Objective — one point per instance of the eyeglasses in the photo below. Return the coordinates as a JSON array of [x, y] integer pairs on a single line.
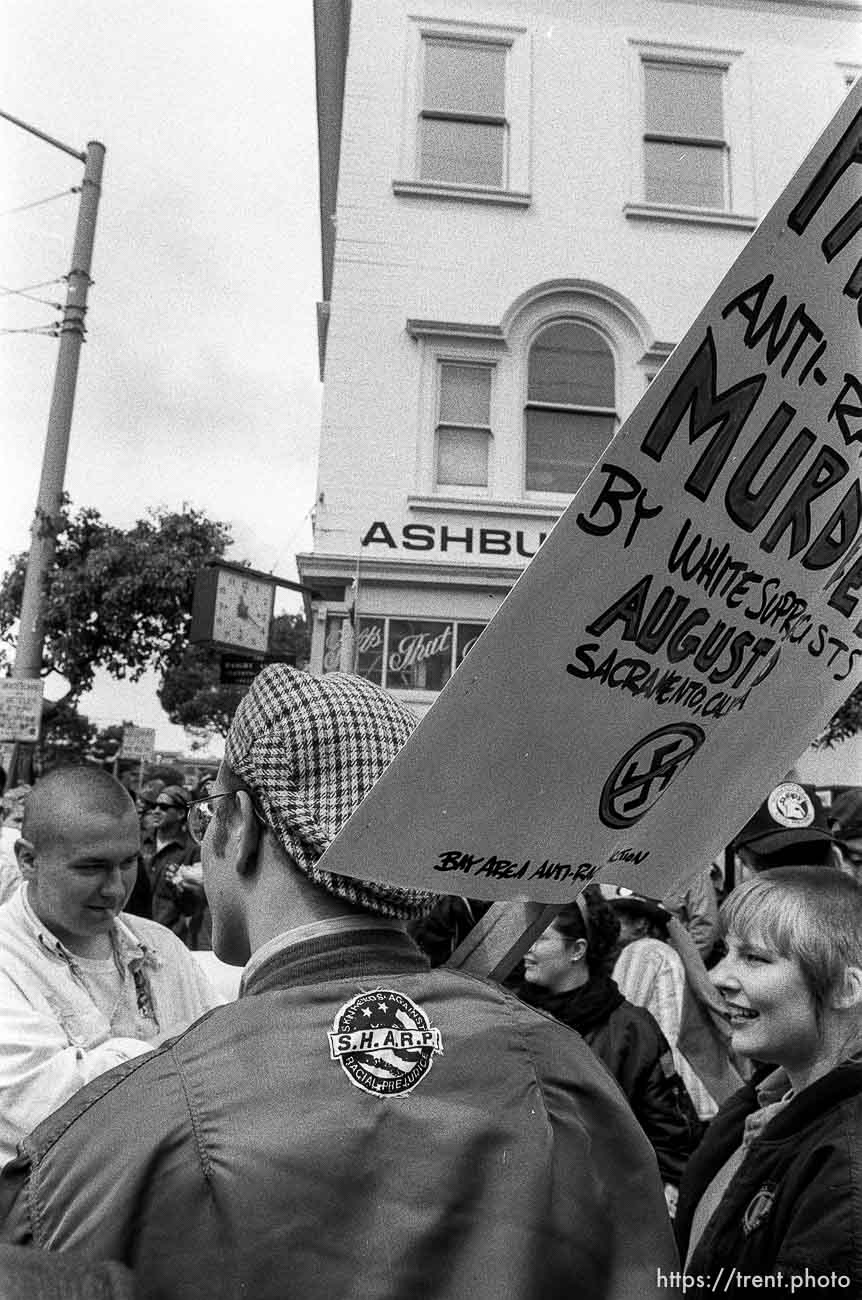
[[201, 813]]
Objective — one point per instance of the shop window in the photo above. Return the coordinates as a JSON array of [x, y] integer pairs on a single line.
[[404, 654], [464, 426], [571, 407], [686, 153], [463, 131], [468, 635]]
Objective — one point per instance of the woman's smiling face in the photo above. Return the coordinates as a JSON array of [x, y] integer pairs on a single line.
[[772, 1011]]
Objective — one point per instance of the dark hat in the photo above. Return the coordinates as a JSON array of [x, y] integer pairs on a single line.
[[626, 900], [790, 814], [175, 795], [310, 748]]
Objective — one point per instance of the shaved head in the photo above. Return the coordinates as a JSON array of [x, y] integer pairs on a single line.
[[65, 794]]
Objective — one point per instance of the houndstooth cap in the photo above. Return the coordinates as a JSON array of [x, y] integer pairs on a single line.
[[310, 749]]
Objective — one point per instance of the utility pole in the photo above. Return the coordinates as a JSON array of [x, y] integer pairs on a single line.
[[28, 654]]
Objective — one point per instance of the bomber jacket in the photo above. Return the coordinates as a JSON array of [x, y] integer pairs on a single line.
[[795, 1201], [356, 1125], [628, 1040]]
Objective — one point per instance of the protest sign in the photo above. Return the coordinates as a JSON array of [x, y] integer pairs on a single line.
[[20, 708], [138, 742], [693, 619]]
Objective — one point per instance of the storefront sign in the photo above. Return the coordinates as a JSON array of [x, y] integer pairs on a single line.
[[20, 708], [694, 618], [454, 540]]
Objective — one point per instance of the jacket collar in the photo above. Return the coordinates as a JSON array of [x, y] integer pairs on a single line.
[[356, 953]]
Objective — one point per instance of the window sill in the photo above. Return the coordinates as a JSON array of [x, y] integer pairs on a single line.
[[697, 216], [465, 193], [479, 506]]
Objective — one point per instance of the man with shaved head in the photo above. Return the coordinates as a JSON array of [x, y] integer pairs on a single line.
[[83, 987]]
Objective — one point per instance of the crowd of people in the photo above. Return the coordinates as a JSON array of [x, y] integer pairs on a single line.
[[664, 1093]]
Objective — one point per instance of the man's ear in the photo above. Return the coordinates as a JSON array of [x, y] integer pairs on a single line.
[[26, 858], [247, 832], [849, 995]]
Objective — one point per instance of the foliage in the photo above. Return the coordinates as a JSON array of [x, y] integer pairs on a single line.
[[192, 695], [845, 723], [116, 599]]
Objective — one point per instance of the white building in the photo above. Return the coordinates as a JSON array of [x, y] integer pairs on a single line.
[[524, 204]]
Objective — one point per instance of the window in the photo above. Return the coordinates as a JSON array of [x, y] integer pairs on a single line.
[[463, 133], [464, 426], [412, 654], [686, 155], [466, 112], [571, 409]]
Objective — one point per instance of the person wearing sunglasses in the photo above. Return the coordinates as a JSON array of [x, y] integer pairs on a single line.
[[357, 1125]]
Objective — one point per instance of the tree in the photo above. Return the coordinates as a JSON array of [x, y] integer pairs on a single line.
[[116, 599], [192, 695], [844, 724]]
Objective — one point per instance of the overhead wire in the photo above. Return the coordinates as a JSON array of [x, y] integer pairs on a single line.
[[37, 203], [22, 293]]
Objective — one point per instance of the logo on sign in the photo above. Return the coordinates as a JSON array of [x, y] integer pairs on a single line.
[[645, 771], [384, 1042]]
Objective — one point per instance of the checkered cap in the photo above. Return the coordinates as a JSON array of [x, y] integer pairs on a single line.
[[310, 748]]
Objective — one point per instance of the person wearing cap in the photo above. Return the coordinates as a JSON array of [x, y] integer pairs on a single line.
[[83, 986], [358, 1124], [651, 974], [789, 829]]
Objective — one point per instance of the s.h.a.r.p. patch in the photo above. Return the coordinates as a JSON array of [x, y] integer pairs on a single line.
[[383, 1042]]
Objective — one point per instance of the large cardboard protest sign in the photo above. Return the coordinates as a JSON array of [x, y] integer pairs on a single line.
[[693, 619]]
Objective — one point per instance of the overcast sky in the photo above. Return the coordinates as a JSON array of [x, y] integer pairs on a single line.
[[198, 382]]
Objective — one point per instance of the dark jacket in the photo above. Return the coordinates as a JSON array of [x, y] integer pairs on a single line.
[[795, 1201], [184, 911], [628, 1040], [262, 1154]]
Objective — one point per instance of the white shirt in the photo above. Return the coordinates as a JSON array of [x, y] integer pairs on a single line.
[[54, 1035]]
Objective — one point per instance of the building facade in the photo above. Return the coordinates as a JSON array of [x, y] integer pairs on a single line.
[[524, 204]]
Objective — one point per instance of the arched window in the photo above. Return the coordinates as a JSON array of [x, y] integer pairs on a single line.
[[571, 406]]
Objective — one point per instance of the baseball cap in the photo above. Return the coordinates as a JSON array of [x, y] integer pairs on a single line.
[[790, 814], [619, 896]]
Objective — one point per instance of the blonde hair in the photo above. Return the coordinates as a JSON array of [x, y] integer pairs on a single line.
[[810, 914]]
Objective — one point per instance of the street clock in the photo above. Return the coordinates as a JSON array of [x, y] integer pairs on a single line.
[[233, 608]]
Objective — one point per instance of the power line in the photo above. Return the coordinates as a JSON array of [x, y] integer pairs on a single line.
[[25, 207], [22, 293], [47, 331]]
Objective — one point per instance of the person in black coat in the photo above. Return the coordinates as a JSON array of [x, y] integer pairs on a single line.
[[773, 1189], [566, 974]]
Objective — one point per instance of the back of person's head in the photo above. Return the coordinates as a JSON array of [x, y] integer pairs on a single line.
[[646, 917], [308, 749], [790, 828], [67, 791], [592, 918], [804, 913]]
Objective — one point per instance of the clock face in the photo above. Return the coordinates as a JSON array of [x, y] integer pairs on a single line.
[[243, 608]]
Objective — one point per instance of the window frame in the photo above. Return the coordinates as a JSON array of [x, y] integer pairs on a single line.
[[463, 489], [738, 169], [515, 187], [456, 624], [558, 318]]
